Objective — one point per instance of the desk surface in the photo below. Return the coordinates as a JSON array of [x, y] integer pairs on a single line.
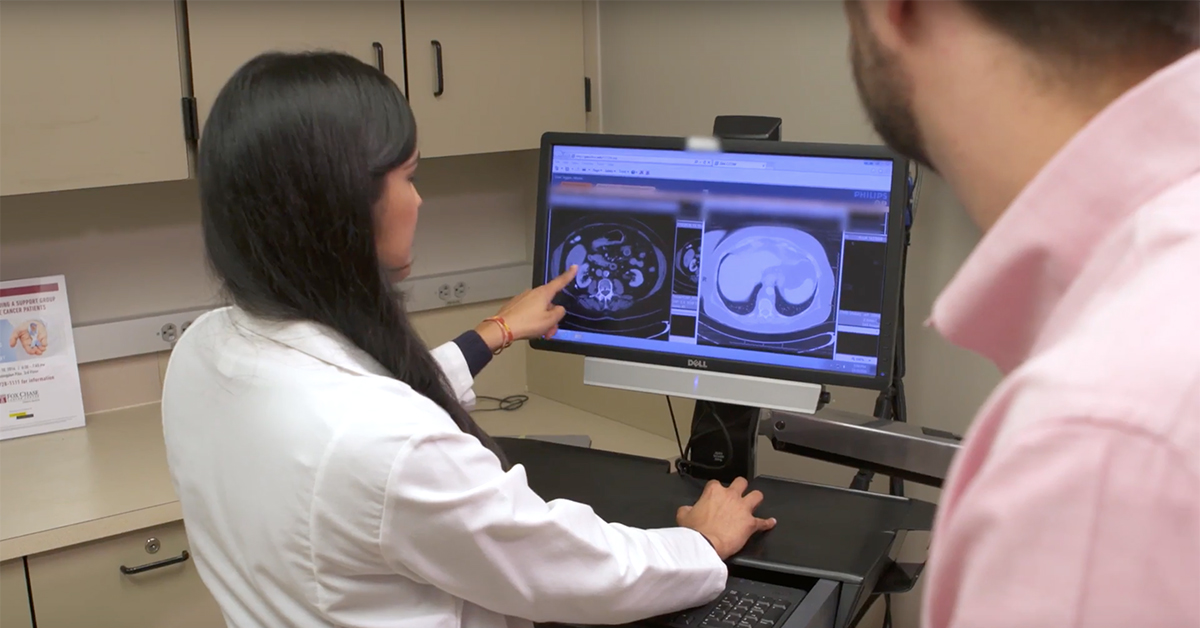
[[823, 531], [70, 487]]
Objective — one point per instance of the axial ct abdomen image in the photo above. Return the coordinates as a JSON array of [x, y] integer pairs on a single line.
[[623, 283], [687, 261], [770, 284]]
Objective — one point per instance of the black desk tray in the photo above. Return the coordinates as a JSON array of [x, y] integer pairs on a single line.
[[823, 532]]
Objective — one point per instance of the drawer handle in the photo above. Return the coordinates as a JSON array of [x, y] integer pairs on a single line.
[[441, 78], [378, 55], [182, 557]]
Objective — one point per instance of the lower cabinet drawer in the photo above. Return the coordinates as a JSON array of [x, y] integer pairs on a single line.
[[14, 598], [100, 585]]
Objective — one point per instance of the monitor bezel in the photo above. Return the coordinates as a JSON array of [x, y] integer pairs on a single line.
[[892, 273]]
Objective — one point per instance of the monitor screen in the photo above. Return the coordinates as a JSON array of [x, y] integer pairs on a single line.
[[764, 263]]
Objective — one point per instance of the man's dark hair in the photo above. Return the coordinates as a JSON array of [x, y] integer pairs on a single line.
[[1079, 35]]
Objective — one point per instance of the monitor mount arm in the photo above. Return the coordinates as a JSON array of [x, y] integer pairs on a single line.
[[902, 450]]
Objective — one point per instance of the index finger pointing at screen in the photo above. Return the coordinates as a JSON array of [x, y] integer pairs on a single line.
[[561, 281]]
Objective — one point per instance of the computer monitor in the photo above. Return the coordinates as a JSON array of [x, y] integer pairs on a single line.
[[732, 275]]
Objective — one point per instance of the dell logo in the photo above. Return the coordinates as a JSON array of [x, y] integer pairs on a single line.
[[697, 364]]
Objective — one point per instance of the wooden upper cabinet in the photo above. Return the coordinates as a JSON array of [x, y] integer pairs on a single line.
[[89, 95], [509, 71], [226, 34]]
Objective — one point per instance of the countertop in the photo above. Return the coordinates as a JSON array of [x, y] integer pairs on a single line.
[[75, 486]]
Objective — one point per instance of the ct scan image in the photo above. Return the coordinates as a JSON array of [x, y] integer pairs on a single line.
[[769, 282], [623, 285], [687, 261]]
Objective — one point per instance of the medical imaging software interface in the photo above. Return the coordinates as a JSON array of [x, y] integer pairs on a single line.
[[766, 259]]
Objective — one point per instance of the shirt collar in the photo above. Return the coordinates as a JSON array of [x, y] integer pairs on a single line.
[[1136, 148], [316, 341]]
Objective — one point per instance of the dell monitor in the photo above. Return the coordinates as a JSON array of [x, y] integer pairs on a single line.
[[752, 274]]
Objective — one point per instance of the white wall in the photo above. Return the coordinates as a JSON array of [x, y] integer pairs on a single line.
[[125, 251], [136, 250], [131, 251]]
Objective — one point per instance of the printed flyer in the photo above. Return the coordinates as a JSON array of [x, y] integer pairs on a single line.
[[39, 377]]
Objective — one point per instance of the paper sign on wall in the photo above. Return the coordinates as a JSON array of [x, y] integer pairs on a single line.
[[39, 377]]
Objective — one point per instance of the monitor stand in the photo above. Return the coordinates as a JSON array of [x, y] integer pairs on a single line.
[[712, 455], [736, 401]]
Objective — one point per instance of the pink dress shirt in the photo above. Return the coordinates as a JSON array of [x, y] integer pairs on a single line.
[[1076, 499]]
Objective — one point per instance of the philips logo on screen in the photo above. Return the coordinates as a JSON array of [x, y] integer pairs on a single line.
[[697, 364]]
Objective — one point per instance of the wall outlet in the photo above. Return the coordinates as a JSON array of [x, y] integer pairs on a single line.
[[154, 333], [434, 292], [171, 332]]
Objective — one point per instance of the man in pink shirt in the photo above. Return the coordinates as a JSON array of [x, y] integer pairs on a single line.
[[1070, 131]]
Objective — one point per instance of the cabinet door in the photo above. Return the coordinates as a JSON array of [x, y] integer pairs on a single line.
[[91, 95], [224, 35], [14, 596], [84, 585], [509, 71]]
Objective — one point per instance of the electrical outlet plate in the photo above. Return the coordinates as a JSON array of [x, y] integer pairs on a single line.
[[118, 339], [159, 332], [472, 286]]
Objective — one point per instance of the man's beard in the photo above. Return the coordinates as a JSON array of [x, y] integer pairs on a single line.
[[885, 93]]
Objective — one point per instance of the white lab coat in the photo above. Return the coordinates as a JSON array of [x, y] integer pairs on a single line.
[[319, 492]]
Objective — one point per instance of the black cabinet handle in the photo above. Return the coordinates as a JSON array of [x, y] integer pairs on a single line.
[[440, 87], [378, 54], [182, 557]]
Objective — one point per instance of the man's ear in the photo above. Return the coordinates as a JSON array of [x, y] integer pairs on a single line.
[[893, 22]]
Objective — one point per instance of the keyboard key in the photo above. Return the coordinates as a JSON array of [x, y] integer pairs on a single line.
[[735, 609]]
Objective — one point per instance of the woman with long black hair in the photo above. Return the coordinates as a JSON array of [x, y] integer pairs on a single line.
[[328, 469]]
